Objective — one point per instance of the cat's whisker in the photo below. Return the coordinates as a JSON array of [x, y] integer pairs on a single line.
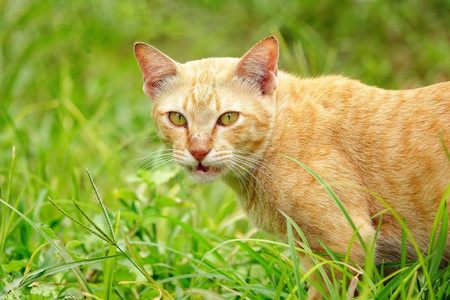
[[240, 178], [154, 164], [167, 163], [249, 162], [150, 161], [153, 155], [257, 182], [171, 164], [253, 158], [262, 169], [160, 150], [157, 156], [150, 155], [249, 158], [257, 160], [147, 139]]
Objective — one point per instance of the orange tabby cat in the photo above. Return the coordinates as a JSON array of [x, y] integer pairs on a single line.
[[236, 118]]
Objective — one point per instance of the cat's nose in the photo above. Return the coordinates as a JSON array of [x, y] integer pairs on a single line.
[[199, 153]]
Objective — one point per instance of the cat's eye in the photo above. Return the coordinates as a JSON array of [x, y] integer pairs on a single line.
[[228, 118], [177, 119]]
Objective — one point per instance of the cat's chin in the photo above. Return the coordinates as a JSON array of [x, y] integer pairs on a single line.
[[204, 174], [204, 178]]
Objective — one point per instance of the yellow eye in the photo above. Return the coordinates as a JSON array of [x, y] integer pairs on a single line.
[[177, 118], [228, 118]]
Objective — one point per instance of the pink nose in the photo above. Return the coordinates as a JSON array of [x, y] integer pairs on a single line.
[[200, 153]]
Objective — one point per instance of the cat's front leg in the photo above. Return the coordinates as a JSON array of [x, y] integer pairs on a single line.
[[323, 222], [313, 293]]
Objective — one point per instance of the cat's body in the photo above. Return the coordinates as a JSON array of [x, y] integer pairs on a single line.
[[240, 118], [348, 133]]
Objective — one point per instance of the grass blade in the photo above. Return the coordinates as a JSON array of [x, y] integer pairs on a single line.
[[318, 267], [99, 234], [3, 212], [444, 145], [294, 258], [59, 248], [109, 269], [256, 256], [99, 230], [198, 236], [334, 197], [438, 249], [141, 268], [30, 261], [33, 276], [102, 205]]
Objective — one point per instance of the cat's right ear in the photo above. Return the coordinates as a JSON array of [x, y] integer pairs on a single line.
[[156, 67]]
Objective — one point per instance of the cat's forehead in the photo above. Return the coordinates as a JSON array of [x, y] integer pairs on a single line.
[[202, 88], [209, 70]]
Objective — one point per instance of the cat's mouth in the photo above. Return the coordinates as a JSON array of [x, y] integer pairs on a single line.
[[204, 173], [206, 169], [202, 168]]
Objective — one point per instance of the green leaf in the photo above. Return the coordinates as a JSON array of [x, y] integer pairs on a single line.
[[48, 231], [158, 177], [125, 195], [70, 245], [169, 201], [14, 265], [122, 273], [3, 272], [44, 290]]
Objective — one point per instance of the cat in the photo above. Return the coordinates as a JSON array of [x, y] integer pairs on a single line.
[[240, 118]]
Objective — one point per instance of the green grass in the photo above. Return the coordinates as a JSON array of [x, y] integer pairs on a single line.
[[71, 98]]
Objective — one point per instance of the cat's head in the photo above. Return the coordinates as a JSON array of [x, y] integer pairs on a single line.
[[216, 114]]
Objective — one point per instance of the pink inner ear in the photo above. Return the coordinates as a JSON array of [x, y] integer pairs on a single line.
[[155, 67], [154, 76], [259, 65]]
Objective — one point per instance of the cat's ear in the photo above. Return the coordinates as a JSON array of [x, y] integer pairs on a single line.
[[156, 67], [259, 65]]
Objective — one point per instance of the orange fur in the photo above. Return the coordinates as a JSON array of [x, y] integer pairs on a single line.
[[349, 133]]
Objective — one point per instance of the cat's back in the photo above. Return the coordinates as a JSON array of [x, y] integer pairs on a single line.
[[349, 109], [390, 141], [346, 95]]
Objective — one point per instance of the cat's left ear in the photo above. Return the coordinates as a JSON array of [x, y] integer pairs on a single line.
[[156, 67], [259, 65]]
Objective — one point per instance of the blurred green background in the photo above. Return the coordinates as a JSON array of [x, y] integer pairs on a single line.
[[71, 92], [71, 89]]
